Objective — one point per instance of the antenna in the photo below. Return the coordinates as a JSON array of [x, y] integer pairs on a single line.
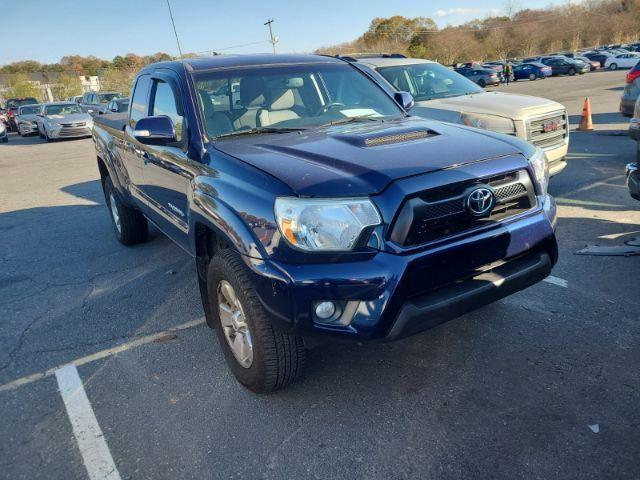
[[273, 40], [174, 28]]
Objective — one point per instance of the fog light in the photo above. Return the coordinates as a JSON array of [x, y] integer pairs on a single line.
[[325, 310]]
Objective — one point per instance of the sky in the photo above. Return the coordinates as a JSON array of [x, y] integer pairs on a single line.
[[46, 30]]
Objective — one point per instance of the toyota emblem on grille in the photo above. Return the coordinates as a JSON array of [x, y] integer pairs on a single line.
[[480, 201]]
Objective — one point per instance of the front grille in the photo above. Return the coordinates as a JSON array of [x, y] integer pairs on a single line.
[[438, 213], [548, 130], [79, 124], [74, 132]]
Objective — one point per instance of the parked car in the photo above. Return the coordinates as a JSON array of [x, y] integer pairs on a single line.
[[633, 73], [4, 138], [118, 105], [75, 98], [442, 94], [624, 60], [598, 57], [630, 94], [565, 66], [95, 103], [3, 117], [12, 106], [593, 64], [633, 176], [26, 119], [484, 77], [313, 207], [531, 71], [63, 120]]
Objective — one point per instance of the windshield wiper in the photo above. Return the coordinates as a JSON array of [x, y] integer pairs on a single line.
[[352, 119], [259, 130]]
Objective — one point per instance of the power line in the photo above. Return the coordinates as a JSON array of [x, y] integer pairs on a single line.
[[174, 28]]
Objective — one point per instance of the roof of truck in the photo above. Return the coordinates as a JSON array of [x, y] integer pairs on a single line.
[[230, 61]]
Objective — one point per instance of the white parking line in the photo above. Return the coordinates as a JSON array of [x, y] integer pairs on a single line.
[[560, 282], [93, 447], [98, 355]]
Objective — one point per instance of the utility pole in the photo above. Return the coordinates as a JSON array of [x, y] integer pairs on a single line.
[[273, 39], [174, 28]]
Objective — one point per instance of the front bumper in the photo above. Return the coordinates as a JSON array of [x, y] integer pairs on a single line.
[[27, 128], [633, 180], [391, 296], [70, 132]]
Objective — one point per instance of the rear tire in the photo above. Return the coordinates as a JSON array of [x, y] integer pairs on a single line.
[[482, 83], [276, 359], [532, 76], [129, 224]]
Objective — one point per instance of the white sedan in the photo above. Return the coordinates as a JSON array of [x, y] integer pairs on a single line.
[[624, 60]]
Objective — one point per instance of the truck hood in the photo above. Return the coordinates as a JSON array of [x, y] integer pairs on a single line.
[[363, 158], [514, 106]]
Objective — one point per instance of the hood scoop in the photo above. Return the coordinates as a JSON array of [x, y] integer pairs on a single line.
[[388, 138]]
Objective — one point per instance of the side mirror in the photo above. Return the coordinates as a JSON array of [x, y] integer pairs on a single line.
[[155, 130], [100, 112], [405, 99]]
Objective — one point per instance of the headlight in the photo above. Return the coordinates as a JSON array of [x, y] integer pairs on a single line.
[[489, 122], [325, 224], [541, 169]]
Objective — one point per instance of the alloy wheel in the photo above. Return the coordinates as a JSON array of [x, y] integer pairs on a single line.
[[234, 324], [114, 212]]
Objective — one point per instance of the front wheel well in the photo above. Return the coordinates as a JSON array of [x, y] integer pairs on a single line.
[[104, 173], [208, 243]]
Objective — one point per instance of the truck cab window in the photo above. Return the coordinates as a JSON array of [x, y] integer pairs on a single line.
[[165, 103], [139, 106]]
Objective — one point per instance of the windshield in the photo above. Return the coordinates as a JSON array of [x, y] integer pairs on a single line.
[[426, 81], [29, 110], [15, 103], [288, 97], [107, 97], [66, 109]]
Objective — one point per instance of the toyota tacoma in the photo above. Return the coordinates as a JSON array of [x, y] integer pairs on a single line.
[[316, 208]]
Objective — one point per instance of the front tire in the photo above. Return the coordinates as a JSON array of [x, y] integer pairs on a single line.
[[47, 137], [572, 72], [261, 358], [613, 66], [129, 224]]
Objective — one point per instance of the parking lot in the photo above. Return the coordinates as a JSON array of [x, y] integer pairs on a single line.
[[543, 384]]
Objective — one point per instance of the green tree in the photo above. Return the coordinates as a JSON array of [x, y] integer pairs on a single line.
[[19, 85], [66, 86]]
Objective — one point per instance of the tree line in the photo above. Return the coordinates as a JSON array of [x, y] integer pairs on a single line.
[[516, 34]]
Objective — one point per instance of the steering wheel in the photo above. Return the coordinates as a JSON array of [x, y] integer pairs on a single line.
[[329, 106]]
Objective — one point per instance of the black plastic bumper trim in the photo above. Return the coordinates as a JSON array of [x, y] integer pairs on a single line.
[[430, 310]]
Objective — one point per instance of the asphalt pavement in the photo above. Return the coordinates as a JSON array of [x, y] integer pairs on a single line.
[[544, 384]]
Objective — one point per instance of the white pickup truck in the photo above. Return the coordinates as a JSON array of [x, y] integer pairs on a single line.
[[445, 95]]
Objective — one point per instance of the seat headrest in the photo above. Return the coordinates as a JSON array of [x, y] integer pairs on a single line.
[[282, 100], [252, 92]]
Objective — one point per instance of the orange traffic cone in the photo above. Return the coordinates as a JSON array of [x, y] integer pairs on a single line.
[[586, 123]]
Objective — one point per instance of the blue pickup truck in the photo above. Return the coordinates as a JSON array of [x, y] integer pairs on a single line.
[[316, 208]]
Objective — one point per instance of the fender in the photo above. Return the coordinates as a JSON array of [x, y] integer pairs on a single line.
[[220, 218], [104, 143]]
